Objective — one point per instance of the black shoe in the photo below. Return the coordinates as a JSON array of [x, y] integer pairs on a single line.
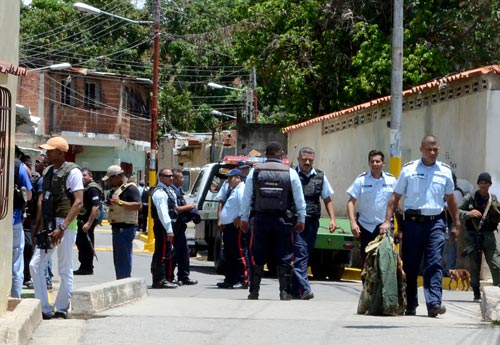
[[46, 316], [253, 295], [224, 285], [49, 286], [188, 281], [80, 272], [285, 296], [411, 312], [29, 284], [164, 285], [307, 295], [60, 315], [477, 299], [435, 310]]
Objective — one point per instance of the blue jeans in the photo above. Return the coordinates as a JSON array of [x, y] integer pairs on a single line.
[[303, 247], [17, 260], [423, 239], [122, 249]]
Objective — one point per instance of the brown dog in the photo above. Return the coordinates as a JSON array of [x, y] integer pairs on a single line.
[[462, 275]]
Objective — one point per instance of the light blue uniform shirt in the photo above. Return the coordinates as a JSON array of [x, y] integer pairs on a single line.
[[425, 186], [327, 190], [371, 196], [231, 209], [160, 200], [298, 195]]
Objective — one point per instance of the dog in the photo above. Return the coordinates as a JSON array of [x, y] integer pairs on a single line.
[[462, 275]]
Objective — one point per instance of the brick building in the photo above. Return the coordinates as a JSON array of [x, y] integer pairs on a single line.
[[105, 117]]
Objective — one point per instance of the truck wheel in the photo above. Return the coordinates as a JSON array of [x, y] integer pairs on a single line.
[[218, 254]]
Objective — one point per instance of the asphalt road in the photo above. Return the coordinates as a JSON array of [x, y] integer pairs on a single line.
[[204, 314]]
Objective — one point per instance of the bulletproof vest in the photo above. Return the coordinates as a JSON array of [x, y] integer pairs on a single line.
[[93, 184], [154, 210], [60, 198], [272, 187], [117, 213], [478, 203], [19, 202], [312, 187], [145, 195]]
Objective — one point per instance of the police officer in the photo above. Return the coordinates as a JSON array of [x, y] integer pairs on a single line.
[[315, 185], [426, 183], [235, 246], [184, 213], [274, 190], [62, 200], [124, 204], [480, 227], [372, 189], [87, 221], [164, 234]]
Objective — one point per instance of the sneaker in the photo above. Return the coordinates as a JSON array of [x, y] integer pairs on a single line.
[[60, 315], [307, 295], [187, 281], [435, 310]]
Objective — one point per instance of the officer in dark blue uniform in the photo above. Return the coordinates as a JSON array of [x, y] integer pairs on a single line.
[[426, 183], [273, 190]]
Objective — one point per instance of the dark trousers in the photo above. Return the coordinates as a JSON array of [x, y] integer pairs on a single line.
[[271, 228], [181, 258], [144, 219], [235, 255], [303, 247], [85, 245], [425, 240], [366, 237], [162, 251], [27, 253], [122, 249]]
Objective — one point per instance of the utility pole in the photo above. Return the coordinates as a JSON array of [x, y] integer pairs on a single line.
[[396, 89], [255, 100]]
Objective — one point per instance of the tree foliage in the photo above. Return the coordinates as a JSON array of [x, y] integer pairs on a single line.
[[311, 56]]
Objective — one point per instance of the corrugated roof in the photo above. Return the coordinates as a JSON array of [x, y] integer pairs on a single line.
[[495, 69]]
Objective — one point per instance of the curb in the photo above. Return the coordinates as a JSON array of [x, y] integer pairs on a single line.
[[19, 324], [90, 300]]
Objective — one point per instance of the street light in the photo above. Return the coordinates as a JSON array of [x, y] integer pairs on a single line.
[[251, 98], [154, 102], [218, 113], [56, 67]]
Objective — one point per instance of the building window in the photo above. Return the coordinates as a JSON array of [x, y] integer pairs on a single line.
[[92, 92], [67, 91]]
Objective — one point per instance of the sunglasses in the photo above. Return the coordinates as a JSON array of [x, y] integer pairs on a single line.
[[166, 175]]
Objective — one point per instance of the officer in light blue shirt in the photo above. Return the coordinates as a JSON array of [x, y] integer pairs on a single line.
[[427, 184], [369, 194], [235, 242]]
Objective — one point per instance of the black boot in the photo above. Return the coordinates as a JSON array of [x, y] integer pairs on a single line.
[[255, 282], [284, 280], [477, 294]]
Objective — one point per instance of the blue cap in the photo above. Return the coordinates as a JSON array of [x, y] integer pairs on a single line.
[[235, 172], [243, 165]]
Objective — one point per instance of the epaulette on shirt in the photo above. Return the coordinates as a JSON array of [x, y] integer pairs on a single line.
[[445, 165], [388, 173], [409, 163], [363, 174]]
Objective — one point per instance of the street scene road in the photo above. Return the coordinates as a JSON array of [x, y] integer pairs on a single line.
[[204, 314]]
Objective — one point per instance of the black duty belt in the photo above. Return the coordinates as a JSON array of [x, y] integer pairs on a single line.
[[415, 216]]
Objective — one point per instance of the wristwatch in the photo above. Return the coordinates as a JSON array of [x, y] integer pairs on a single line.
[[120, 202], [62, 227]]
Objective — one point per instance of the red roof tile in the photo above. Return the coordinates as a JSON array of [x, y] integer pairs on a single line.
[[495, 69]]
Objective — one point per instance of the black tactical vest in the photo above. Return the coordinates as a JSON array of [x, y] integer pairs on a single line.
[[272, 187], [55, 184], [84, 211], [170, 203], [312, 187]]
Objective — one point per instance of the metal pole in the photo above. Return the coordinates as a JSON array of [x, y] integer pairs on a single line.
[[154, 117], [396, 89], [255, 105]]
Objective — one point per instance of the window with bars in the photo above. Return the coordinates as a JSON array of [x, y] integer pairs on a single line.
[[91, 98], [67, 91], [5, 139]]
